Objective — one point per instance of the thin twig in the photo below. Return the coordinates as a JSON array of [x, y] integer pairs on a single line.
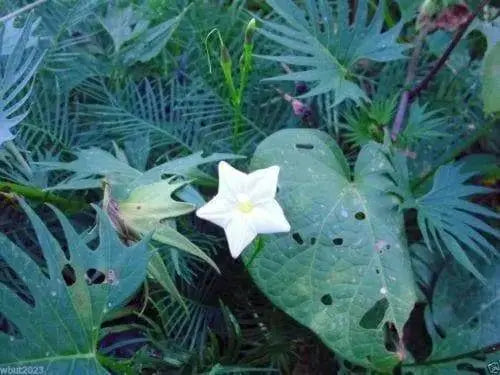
[[460, 33], [21, 10], [409, 95], [410, 76]]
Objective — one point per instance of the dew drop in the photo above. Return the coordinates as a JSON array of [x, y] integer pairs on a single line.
[[11, 338], [383, 291], [53, 293]]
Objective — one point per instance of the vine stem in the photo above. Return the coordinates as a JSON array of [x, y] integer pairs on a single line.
[[409, 95], [410, 76], [30, 192], [21, 10], [440, 63]]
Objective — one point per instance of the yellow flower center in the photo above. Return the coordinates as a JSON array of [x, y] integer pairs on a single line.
[[245, 206]]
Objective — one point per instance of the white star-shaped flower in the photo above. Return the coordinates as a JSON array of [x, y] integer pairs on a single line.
[[245, 206]]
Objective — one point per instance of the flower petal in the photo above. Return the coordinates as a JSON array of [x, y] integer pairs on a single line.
[[218, 211], [269, 218], [239, 235], [231, 181], [262, 184]]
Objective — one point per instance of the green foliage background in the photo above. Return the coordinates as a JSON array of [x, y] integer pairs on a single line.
[[113, 115]]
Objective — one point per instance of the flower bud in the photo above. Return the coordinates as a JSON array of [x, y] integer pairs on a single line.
[[300, 109], [225, 57], [249, 31]]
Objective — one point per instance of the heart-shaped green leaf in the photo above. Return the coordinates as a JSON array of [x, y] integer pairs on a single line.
[[344, 269]]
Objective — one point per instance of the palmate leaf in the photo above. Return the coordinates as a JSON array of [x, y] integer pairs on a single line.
[[146, 190], [423, 124], [149, 208], [122, 24], [463, 322], [141, 203], [69, 27], [61, 330], [447, 220], [329, 48], [15, 75], [150, 42], [92, 165], [344, 270]]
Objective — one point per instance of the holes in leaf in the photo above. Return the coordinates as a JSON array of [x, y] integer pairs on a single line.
[[68, 274], [313, 240], [374, 316], [327, 300], [93, 244], [360, 215], [298, 238], [474, 322], [304, 146], [138, 207], [338, 241], [93, 276], [9, 328], [166, 176], [377, 271], [416, 338], [391, 337], [440, 331]]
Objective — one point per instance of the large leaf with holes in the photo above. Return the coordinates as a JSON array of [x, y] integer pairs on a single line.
[[344, 269], [60, 331], [464, 331]]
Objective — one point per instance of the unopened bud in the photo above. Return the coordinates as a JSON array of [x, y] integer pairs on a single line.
[[225, 57], [300, 109], [249, 31]]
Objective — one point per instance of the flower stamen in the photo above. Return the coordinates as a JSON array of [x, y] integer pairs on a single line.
[[245, 206]]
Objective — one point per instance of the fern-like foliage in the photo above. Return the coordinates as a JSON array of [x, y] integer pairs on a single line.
[[70, 29], [329, 47], [366, 122], [50, 127], [153, 107], [16, 71], [423, 125], [448, 221]]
